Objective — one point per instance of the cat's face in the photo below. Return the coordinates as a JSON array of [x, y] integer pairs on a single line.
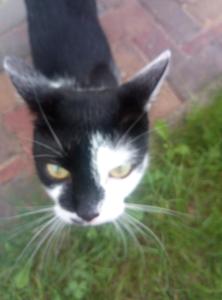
[[93, 163], [90, 145]]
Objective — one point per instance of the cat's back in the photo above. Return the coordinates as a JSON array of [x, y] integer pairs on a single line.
[[66, 38]]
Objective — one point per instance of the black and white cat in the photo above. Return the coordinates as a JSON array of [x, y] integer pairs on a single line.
[[89, 145]]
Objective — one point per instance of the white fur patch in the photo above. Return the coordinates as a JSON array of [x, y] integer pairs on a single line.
[[72, 82], [65, 215], [62, 82], [105, 156], [55, 192]]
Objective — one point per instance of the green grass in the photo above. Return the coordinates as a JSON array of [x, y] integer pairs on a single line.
[[186, 176]]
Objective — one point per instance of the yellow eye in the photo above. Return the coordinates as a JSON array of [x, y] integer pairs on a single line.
[[57, 172], [121, 171]]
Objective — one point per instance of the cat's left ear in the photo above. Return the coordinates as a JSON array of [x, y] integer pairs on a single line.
[[140, 91], [30, 84]]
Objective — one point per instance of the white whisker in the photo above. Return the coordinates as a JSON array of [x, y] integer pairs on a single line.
[[55, 136], [129, 129], [61, 237], [154, 209], [54, 231], [56, 151], [151, 130], [119, 229], [35, 212], [148, 230], [128, 228], [47, 233], [45, 236], [27, 226], [147, 132], [42, 228]]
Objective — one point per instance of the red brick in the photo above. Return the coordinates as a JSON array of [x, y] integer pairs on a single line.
[[15, 42], [206, 12], [166, 103], [174, 20], [7, 94], [19, 122], [11, 14], [128, 59], [9, 145], [13, 168], [126, 21], [152, 41], [203, 40], [197, 71]]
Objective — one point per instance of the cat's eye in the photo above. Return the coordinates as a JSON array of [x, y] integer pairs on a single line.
[[121, 171], [57, 172]]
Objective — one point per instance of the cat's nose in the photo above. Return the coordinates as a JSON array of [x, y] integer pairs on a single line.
[[88, 216]]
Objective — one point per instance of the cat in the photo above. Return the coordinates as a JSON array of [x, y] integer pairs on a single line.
[[90, 142]]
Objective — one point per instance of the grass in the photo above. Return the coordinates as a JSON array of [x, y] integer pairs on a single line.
[[186, 176]]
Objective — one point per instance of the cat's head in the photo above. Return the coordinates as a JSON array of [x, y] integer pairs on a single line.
[[90, 145]]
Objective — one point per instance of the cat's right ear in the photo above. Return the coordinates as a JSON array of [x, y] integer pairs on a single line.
[[140, 91], [30, 84]]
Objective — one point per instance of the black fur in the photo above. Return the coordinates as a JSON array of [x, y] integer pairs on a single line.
[[67, 40], [68, 43]]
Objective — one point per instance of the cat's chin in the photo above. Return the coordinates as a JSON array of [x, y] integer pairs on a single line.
[[71, 218]]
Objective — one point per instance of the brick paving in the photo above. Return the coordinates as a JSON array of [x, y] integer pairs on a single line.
[[138, 31]]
